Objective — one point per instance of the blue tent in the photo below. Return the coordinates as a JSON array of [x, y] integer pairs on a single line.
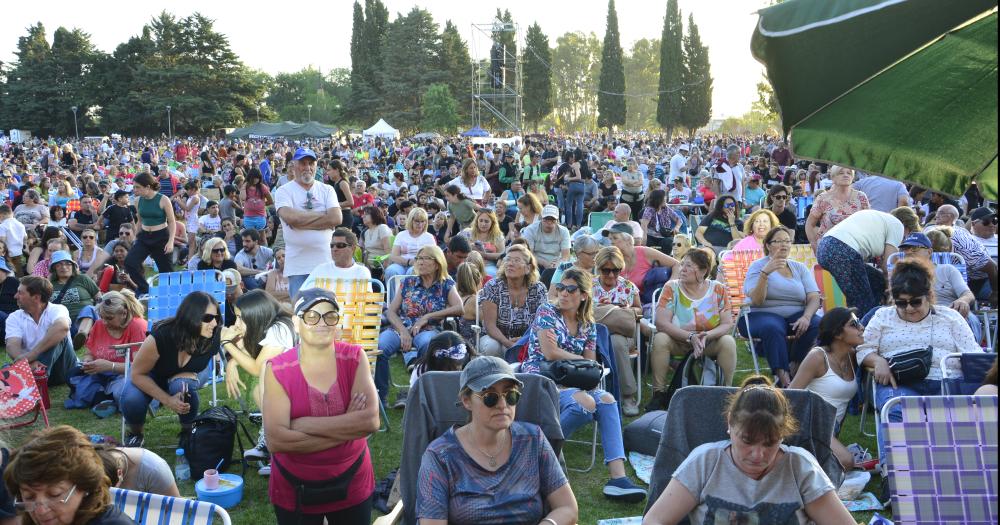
[[476, 132]]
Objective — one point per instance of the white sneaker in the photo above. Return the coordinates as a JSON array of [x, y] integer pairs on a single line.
[[630, 407], [259, 452], [264, 471]]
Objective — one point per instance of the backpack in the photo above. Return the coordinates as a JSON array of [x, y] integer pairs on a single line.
[[690, 371], [213, 434]]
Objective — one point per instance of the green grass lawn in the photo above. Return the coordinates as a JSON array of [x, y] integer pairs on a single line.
[[161, 436]]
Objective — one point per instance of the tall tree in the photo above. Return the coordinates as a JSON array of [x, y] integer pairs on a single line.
[[575, 68], [291, 94], [611, 88], [668, 109], [456, 66], [412, 57], [696, 108], [642, 66], [357, 59], [537, 69], [439, 110]]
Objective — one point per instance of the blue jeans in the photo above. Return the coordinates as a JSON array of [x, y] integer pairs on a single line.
[[883, 393], [294, 284], [390, 345], [134, 401], [88, 312], [255, 223], [772, 329], [393, 270], [574, 204], [573, 416], [560, 194]]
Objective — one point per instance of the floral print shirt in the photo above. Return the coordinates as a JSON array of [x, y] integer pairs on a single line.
[[623, 294], [548, 317], [832, 211], [698, 313], [418, 300]]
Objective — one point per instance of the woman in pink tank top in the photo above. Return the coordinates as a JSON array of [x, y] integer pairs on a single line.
[[638, 259], [320, 405]]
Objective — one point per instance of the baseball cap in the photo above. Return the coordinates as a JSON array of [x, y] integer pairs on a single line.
[[979, 214], [617, 228], [916, 240], [550, 211], [232, 278], [312, 296], [61, 256], [302, 153], [683, 147], [484, 372], [4, 267]]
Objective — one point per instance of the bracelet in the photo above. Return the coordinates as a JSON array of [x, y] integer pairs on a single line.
[[691, 336], [550, 520]]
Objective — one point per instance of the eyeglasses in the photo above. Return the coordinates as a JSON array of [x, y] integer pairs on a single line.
[[785, 241], [915, 302], [423, 258], [33, 506], [208, 318], [490, 399], [779, 197], [218, 250], [87, 237], [610, 271], [592, 254], [340, 245], [312, 318], [125, 233], [570, 288]]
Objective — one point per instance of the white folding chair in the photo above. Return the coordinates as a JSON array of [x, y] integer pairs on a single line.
[[153, 509]]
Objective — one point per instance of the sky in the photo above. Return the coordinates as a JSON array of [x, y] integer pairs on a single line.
[[320, 32]]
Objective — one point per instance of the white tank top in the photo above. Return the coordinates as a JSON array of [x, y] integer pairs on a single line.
[[834, 389]]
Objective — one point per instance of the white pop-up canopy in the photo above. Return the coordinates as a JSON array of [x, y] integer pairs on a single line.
[[382, 129]]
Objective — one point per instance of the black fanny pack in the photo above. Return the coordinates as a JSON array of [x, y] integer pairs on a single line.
[[911, 366], [321, 491], [584, 374]]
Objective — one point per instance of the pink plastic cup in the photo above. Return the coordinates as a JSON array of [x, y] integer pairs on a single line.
[[211, 479]]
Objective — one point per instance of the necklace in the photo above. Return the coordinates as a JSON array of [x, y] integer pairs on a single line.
[[491, 457]]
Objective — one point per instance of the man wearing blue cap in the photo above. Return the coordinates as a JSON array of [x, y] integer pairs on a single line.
[[309, 213]]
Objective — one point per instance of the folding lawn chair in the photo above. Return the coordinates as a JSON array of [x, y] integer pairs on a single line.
[[734, 265], [153, 509], [941, 459], [973, 368], [597, 220], [20, 397]]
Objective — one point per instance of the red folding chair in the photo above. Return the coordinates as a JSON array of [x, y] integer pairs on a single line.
[[19, 396]]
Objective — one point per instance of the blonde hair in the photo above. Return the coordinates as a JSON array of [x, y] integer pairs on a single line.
[[416, 213], [748, 224], [685, 242], [209, 245], [940, 239], [476, 258], [609, 254], [467, 279], [117, 303], [495, 235], [531, 277], [438, 255], [531, 201]]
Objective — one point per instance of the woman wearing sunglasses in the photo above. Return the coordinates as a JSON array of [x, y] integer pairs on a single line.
[[492, 470], [215, 255], [58, 478], [912, 323], [168, 363], [90, 259], [828, 370], [722, 225], [565, 329], [319, 408], [617, 306]]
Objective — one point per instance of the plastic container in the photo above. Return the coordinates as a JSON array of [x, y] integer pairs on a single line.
[[182, 469], [853, 484], [227, 496]]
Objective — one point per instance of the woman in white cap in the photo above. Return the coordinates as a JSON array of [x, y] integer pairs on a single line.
[[320, 406], [492, 470]]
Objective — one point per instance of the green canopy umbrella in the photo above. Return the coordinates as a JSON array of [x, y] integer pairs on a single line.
[[902, 88]]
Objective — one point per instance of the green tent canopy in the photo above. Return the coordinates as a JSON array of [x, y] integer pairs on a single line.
[[902, 88], [287, 129]]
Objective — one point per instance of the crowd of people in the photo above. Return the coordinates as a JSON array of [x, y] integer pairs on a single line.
[[491, 254]]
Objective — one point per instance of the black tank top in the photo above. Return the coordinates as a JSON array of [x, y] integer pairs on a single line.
[[166, 366]]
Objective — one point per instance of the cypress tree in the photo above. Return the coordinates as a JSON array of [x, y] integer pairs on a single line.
[[611, 94], [696, 109], [668, 109], [537, 70]]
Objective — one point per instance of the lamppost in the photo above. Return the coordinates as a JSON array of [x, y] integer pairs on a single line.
[[310, 117], [75, 127], [258, 113], [170, 132]]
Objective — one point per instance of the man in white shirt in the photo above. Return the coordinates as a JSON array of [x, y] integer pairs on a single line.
[[983, 225], [679, 162], [730, 174], [253, 259], [12, 233], [39, 330], [309, 212], [548, 239], [211, 222], [343, 266], [622, 215]]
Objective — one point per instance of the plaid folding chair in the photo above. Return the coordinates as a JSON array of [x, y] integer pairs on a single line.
[[734, 265], [153, 509], [942, 459], [361, 302], [19, 397]]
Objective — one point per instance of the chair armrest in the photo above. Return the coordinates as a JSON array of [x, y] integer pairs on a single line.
[[393, 517]]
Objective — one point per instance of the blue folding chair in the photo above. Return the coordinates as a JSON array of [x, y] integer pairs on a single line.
[[154, 509], [973, 366]]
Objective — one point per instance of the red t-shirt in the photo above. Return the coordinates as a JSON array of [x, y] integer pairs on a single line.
[[99, 341], [365, 199]]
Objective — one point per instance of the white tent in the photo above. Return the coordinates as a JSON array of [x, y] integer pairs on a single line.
[[382, 129]]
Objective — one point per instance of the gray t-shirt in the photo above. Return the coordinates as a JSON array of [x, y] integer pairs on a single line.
[[785, 296], [226, 209], [547, 247], [883, 194], [153, 475], [948, 284], [726, 495]]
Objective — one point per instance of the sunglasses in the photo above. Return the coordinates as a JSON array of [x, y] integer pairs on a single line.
[[127, 234], [729, 205], [312, 318], [208, 318], [218, 250], [610, 271], [490, 399], [340, 245], [88, 237], [560, 287], [779, 197], [916, 302], [989, 222]]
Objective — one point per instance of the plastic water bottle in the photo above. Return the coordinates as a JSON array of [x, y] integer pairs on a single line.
[[182, 470]]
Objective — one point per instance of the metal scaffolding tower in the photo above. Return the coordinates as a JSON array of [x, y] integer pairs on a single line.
[[497, 100]]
